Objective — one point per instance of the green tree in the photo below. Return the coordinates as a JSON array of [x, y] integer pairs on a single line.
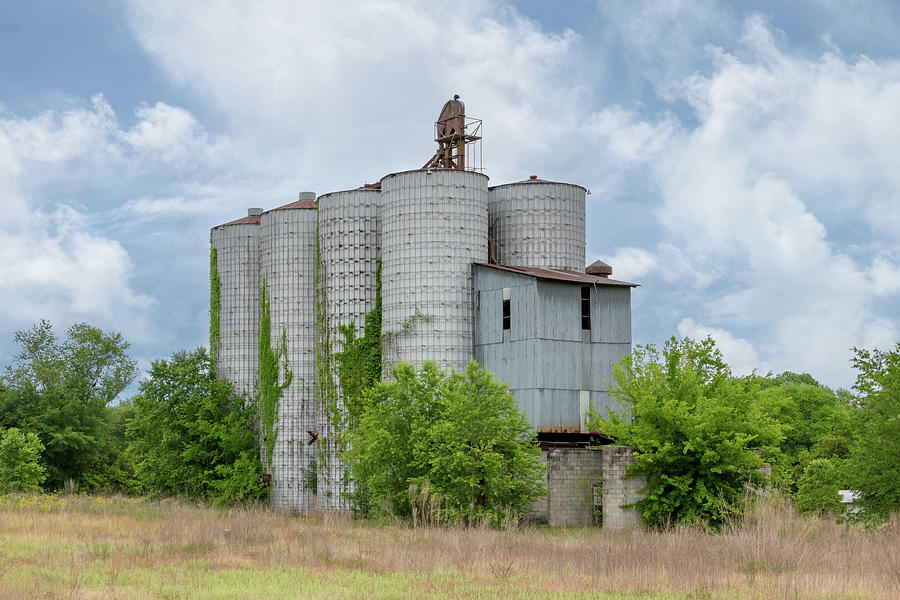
[[462, 433], [60, 391], [191, 435], [20, 462], [874, 465], [817, 423], [701, 434], [817, 489]]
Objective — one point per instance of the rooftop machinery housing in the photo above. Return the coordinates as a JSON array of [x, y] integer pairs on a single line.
[[467, 271]]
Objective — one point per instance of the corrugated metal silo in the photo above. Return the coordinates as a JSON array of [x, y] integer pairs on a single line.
[[536, 223], [288, 262], [237, 264], [349, 250], [434, 226]]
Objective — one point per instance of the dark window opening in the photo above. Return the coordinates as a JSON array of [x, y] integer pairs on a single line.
[[507, 319], [586, 307]]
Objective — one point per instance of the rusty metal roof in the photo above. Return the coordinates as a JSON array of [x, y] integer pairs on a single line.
[[298, 204], [248, 220], [598, 267], [560, 275]]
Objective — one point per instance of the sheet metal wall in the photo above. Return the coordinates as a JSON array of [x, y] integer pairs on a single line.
[[434, 226], [237, 261], [349, 248], [545, 357], [538, 224], [288, 260]]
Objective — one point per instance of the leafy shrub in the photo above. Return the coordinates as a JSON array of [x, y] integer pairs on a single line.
[[817, 490], [701, 434], [459, 435], [20, 461], [191, 435], [874, 466]]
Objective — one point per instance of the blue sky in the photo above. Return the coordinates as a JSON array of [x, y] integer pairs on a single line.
[[742, 157]]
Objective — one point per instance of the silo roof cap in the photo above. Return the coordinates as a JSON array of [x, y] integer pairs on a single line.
[[598, 267], [311, 204], [248, 220], [307, 201], [534, 179]]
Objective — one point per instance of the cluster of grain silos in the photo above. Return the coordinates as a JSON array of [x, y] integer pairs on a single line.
[[426, 227]]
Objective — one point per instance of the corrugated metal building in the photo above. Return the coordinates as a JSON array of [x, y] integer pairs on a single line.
[[552, 336]]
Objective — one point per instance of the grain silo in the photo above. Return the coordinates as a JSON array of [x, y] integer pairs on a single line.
[[434, 226], [287, 265], [349, 251], [537, 223], [235, 302]]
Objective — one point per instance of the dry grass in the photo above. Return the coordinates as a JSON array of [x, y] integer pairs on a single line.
[[95, 547]]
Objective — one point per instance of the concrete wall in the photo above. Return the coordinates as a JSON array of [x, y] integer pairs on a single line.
[[571, 477], [618, 492], [538, 510]]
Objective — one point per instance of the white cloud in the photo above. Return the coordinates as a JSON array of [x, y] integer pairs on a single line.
[[786, 149], [738, 352], [172, 134], [53, 262], [307, 82], [631, 263], [628, 137], [885, 276]]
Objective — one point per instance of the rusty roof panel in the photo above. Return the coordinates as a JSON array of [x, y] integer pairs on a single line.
[[560, 275], [248, 220], [298, 204]]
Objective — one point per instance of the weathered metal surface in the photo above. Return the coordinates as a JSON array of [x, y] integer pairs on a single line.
[[237, 263], [561, 275], [349, 249], [434, 226], [537, 223], [288, 261], [553, 368], [599, 268]]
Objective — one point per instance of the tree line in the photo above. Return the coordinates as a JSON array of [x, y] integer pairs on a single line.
[[453, 446]]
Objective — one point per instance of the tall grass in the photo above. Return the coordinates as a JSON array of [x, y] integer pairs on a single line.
[[96, 547]]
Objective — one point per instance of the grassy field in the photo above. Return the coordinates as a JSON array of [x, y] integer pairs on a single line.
[[99, 547]]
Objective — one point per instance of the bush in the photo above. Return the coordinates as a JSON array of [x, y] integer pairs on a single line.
[[701, 434], [20, 462], [191, 436], [817, 490], [874, 467], [460, 436]]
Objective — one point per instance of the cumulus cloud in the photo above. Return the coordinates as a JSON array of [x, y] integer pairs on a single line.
[[738, 352], [628, 137], [631, 263], [315, 79], [172, 134], [784, 146], [54, 263], [757, 192]]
